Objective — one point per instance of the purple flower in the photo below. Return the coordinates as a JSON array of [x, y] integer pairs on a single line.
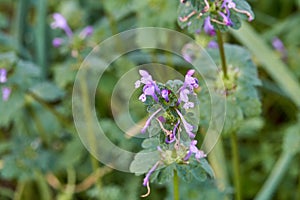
[[57, 42], [172, 137], [61, 23], [208, 27], [3, 75], [150, 88], [190, 81], [194, 150], [226, 18], [188, 105], [212, 44], [86, 32], [188, 127], [148, 122], [165, 94], [278, 44], [5, 93], [183, 95], [147, 178]]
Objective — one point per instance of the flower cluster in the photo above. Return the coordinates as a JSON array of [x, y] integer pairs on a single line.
[[171, 104], [213, 14], [3, 79], [60, 22]]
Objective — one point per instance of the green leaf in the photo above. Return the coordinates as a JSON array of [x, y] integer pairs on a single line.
[[165, 174], [291, 142], [47, 91], [243, 5], [184, 172], [143, 161], [150, 143]]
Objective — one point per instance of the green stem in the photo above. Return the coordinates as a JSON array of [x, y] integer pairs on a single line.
[[43, 187], [236, 166], [222, 53], [275, 177], [90, 131], [176, 186], [41, 54]]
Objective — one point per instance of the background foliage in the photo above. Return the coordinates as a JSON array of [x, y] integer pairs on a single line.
[[41, 156]]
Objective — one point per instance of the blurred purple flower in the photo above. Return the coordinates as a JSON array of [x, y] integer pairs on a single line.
[[5, 93], [61, 23], [212, 44], [86, 32], [3, 75], [279, 46], [57, 42]]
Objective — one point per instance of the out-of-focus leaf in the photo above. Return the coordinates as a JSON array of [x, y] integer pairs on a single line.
[[47, 91], [270, 62]]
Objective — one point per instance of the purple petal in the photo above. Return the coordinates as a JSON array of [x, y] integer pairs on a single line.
[[212, 44], [188, 127], [146, 179], [184, 95], [57, 42], [208, 27], [149, 120], [3, 75], [61, 23], [86, 32], [5, 93]]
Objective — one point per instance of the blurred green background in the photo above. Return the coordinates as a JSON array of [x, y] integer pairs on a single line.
[[41, 156]]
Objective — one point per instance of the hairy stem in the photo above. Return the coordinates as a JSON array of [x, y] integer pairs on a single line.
[[222, 53], [176, 186], [236, 166]]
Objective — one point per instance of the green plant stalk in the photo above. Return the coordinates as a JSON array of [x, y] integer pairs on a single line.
[[217, 159], [44, 190], [236, 166], [88, 115], [176, 186], [41, 54], [22, 10], [275, 177], [222, 53]]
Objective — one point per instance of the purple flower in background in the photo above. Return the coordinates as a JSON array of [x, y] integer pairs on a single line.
[[61, 23], [193, 149], [208, 27], [279, 46], [86, 32], [5, 93], [212, 44], [57, 42], [3, 75]]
